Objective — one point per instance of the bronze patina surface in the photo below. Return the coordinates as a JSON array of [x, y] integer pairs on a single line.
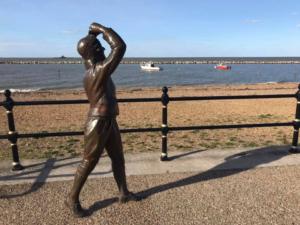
[[101, 128]]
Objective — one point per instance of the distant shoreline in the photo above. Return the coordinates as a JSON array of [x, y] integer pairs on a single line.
[[238, 86], [212, 60]]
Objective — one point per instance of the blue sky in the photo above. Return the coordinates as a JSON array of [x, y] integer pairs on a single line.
[[156, 28]]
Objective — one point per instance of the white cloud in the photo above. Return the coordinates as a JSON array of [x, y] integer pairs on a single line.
[[69, 31], [14, 48], [252, 21], [16, 44]]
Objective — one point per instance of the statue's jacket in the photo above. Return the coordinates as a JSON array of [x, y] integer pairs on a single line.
[[98, 84]]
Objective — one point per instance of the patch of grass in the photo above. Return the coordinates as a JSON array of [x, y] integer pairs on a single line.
[[153, 141], [285, 140], [133, 136], [213, 144], [240, 141], [185, 136], [70, 150], [229, 144], [205, 145], [265, 116], [55, 152], [268, 142], [73, 140], [48, 154], [153, 134], [191, 141], [179, 146], [250, 144], [233, 139], [74, 154], [149, 125]]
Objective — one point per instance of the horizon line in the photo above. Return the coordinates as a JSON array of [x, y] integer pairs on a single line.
[[68, 57]]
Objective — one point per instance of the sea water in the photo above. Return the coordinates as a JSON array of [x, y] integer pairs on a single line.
[[30, 77]]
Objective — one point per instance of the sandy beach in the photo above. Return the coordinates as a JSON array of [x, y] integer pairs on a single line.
[[134, 115]]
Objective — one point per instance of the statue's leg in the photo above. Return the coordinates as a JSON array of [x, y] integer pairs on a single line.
[[94, 140], [83, 171], [115, 152]]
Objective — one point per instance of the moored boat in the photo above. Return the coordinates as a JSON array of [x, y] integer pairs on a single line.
[[221, 66], [150, 67]]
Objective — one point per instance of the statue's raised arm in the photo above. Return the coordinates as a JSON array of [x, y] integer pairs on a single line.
[[116, 43]]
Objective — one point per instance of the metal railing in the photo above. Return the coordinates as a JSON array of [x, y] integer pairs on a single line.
[[13, 135]]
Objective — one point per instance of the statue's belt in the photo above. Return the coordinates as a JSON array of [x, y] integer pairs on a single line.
[[104, 110]]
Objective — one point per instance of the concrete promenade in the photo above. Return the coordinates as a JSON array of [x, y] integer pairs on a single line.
[[237, 186], [47, 170]]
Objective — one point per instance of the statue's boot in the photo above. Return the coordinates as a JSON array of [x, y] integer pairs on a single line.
[[76, 208], [72, 201], [129, 197], [118, 167]]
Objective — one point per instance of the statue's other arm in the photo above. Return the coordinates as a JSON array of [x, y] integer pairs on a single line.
[[118, 47]]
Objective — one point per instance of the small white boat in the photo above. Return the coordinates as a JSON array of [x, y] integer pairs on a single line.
[[150, 67]]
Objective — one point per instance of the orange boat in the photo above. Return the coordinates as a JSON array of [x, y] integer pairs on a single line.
[[222, 67]]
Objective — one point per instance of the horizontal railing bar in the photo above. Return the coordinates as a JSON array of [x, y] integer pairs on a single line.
[[51, 102], [140, 130], [50, 134], [75, 133], [83, 101], [139, 100], [188, 98], [215, 127], [47, 102], [4, 136], [192, 98]]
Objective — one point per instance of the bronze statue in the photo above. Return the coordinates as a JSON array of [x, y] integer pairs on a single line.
[[101, 128]]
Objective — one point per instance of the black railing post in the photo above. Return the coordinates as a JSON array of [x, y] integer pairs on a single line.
[[164, 126], [294, 148], [13, 135]]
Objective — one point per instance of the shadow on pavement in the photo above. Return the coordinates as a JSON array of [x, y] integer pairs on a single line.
[[184, 154], [40, 179], [101, 205], [44, 172], [233, 164]]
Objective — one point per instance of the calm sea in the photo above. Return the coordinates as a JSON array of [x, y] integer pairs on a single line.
[[69, 76]]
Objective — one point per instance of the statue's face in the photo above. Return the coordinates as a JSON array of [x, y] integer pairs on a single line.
[[98, 50]]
